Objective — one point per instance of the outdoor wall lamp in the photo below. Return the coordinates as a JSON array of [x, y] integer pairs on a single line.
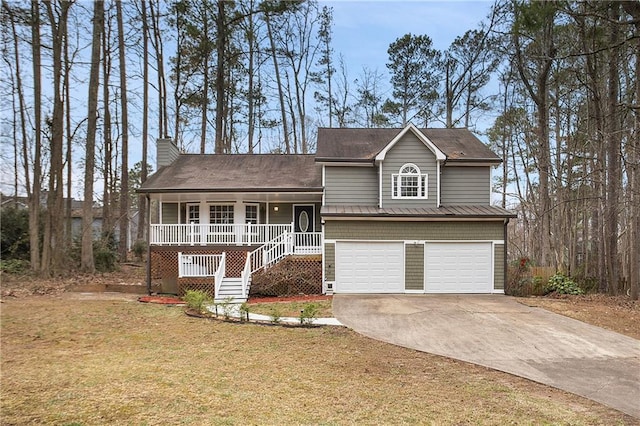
[[276, 208]]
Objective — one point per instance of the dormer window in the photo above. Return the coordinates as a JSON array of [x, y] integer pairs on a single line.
[[409, 183]]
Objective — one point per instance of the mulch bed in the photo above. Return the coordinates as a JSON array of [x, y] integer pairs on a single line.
[[163, 300], [296, 298]]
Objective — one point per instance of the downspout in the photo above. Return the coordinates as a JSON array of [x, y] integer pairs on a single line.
[[504, 266], [380, 185], [437, 183], [148, 244]]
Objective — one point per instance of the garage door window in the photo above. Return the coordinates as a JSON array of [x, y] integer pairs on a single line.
[[409, 183]]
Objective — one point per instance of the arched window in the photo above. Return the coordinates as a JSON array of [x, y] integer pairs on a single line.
[[409, 183]]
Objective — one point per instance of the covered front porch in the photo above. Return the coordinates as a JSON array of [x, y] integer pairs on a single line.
[[237, 220], [216, 242]]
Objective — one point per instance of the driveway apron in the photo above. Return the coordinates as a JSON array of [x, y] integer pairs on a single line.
[[498, 332]]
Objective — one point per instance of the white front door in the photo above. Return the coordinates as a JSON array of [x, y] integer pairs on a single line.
[[369, 267], [458, 268]]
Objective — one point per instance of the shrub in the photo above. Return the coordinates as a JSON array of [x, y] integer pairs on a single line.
[[244, 311], [104, 258], [561, 284], [276, 315], [14, 233], [14, 266], [309, 313], [197, 300], [139, 249]]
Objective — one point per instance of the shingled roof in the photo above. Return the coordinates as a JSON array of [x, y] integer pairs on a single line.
[[237, 173], [362, 145]]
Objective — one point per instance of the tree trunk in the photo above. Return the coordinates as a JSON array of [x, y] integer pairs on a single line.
[[34, 198], [283, 113], [107, 222], [53, 250], [87, 263], [142, 199], [124, 181], [614, 169], [221, 38]]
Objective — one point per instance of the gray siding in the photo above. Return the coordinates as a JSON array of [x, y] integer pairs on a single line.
[[410, 150], [465, 186], [330, 262], [351, 186], [166, 152], [284, 215], [408, 231], [170, 213], [498, 267], [414, 267]]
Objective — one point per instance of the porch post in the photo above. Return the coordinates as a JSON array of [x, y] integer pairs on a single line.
[[149, 245]]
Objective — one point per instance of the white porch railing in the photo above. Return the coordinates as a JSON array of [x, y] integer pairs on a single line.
[[307, 243], [211, 234], [199, 265]]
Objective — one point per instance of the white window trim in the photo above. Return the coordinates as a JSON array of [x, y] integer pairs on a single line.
[[221, 205], [396, 184], [257, 206]]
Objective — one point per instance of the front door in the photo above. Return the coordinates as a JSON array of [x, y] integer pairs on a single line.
[[303, 218]]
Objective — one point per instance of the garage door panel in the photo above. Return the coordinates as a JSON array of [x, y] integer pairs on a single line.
[[369, 267], [458, 267]]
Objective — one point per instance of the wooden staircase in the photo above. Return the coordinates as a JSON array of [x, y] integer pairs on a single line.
[[230, 290]]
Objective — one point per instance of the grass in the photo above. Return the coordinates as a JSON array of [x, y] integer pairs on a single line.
[[291, 309], [71, 361]]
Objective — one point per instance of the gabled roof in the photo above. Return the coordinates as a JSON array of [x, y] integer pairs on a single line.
[[363, 145], [411, 128], [237, 173]]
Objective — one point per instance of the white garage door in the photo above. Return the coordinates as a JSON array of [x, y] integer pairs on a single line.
[[458, 268], [369, 267]]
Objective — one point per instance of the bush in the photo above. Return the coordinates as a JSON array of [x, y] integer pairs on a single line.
[[14, 266], [309, 313], [14, 233], [561, 284], [104, 258], [197, 300], [139, 249]]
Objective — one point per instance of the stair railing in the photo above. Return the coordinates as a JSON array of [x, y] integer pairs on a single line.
[[246, 276], [220, 273]]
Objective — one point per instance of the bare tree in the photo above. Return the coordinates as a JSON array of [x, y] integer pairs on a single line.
[[87, 263], [124, 180]]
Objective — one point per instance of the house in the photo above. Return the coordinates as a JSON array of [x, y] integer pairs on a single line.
[[388, 210]]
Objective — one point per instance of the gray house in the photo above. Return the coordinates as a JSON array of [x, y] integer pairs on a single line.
[[384, 211]]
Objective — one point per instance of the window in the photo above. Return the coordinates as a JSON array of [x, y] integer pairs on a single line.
[[193, 213], [251, 214], [409, 183], [221, 214]]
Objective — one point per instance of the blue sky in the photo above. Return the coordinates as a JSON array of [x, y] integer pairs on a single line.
[[363, 30]]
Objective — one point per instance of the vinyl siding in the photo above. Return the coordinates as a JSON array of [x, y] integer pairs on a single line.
[[351, 186], [167, 152], [498, 267], [411, 231], [330, 262], [462, 186], [410, 150], [414, 267], [170, 213]]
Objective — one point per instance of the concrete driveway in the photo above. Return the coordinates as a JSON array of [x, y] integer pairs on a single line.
[[498, 332]]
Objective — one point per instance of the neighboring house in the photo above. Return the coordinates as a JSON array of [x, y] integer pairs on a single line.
[[390, 211]]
